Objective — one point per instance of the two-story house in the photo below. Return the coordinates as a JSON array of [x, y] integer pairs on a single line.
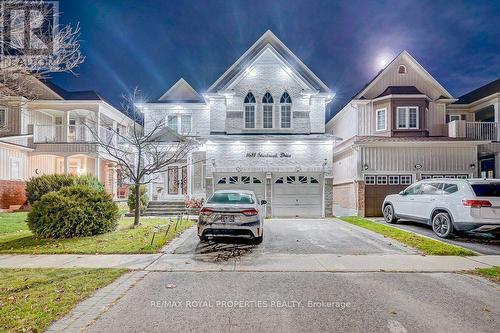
[[476, 115], [394, 132], [262, 125], [54, 134]]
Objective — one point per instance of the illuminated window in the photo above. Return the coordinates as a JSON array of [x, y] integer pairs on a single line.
[[267, 110], [286, 111], [249, 110]]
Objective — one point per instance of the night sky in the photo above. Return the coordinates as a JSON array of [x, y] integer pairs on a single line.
[[151, 44]]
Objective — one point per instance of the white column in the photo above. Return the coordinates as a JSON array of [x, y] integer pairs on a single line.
[[189, 173], [497, 165], [97, 170], [497, 119], [66, 165], [65, 128]]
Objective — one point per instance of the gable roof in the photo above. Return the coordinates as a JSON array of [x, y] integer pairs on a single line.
[[181, 92], [80, 95], [479, 93], [266, 40], [408, 56], [400, 90]]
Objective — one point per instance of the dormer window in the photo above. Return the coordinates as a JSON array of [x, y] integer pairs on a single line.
[[249, 104], [267, 110], [402, 69], [285, 111]]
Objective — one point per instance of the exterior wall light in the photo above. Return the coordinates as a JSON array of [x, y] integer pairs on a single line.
[[418, 166], [365, 166], [472, 166]]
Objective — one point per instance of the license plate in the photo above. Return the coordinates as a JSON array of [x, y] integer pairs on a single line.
[[227, 218]]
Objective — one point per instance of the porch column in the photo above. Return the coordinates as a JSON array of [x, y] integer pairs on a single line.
[[497, 165], [97, 169], [66, 165], [189, 171], [65, 129], [497, 119]]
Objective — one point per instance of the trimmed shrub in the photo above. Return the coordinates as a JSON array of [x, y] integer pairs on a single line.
[[73, 211], [143, 198], [36, 187]]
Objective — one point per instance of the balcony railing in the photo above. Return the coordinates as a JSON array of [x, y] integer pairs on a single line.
[[70, 133], [474, 130]]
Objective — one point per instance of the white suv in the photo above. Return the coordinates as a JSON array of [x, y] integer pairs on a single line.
[[448, 205]]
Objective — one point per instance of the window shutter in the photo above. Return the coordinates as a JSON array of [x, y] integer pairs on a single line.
[[462, 116], [447, 118]]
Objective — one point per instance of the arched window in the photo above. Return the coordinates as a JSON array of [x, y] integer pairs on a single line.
[[285, 111], [402, 69], [267, 110], [249, 110]]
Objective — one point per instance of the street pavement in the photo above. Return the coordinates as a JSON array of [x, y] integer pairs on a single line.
[[307, 275], [305, 302], [483, 243]]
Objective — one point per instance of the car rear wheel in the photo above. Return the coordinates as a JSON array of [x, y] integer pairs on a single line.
[[389, 215], [442, 225]]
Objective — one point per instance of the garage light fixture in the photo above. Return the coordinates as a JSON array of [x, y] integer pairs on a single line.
[[365, 166], [418, 166], [472, 166]]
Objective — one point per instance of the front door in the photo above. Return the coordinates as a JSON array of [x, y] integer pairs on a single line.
[[177, 180]]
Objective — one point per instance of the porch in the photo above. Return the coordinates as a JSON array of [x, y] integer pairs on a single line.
[[105, 170]]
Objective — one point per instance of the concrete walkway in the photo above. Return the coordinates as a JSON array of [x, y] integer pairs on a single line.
[[267, 263]]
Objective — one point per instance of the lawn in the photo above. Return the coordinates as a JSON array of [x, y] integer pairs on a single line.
[[31, 299], [424, 244], [491, 273], [16, 238]]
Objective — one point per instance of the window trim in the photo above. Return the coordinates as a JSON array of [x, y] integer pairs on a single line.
[[272, 111], [407, 117], [245, 114], [20, 169], [6, 117], [178, 117], [254, 104], [384, 110], [281, 110]]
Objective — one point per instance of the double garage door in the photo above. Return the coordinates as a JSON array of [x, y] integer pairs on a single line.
[[293, 195]]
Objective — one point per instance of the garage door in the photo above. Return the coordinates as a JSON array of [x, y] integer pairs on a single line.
[[378, 187], [251, 182], [297, 195]]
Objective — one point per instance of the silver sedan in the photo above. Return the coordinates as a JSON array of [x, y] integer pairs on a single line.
[[232, 213]]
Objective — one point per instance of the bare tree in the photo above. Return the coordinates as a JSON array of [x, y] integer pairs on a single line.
[[142, 153], [33, 51]]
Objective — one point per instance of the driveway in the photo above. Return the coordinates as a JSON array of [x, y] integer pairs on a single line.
[[483, 243], [305, 236]]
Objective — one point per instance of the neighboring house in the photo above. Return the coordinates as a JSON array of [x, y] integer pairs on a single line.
[[394, 132], [51, 135], [262, 125], [477, 115]]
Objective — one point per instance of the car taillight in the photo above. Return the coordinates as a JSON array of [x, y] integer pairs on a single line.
[[250, 212], [206, 211], [476, 203]]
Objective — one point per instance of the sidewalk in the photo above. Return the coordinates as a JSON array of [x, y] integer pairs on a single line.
[[261, 263]]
